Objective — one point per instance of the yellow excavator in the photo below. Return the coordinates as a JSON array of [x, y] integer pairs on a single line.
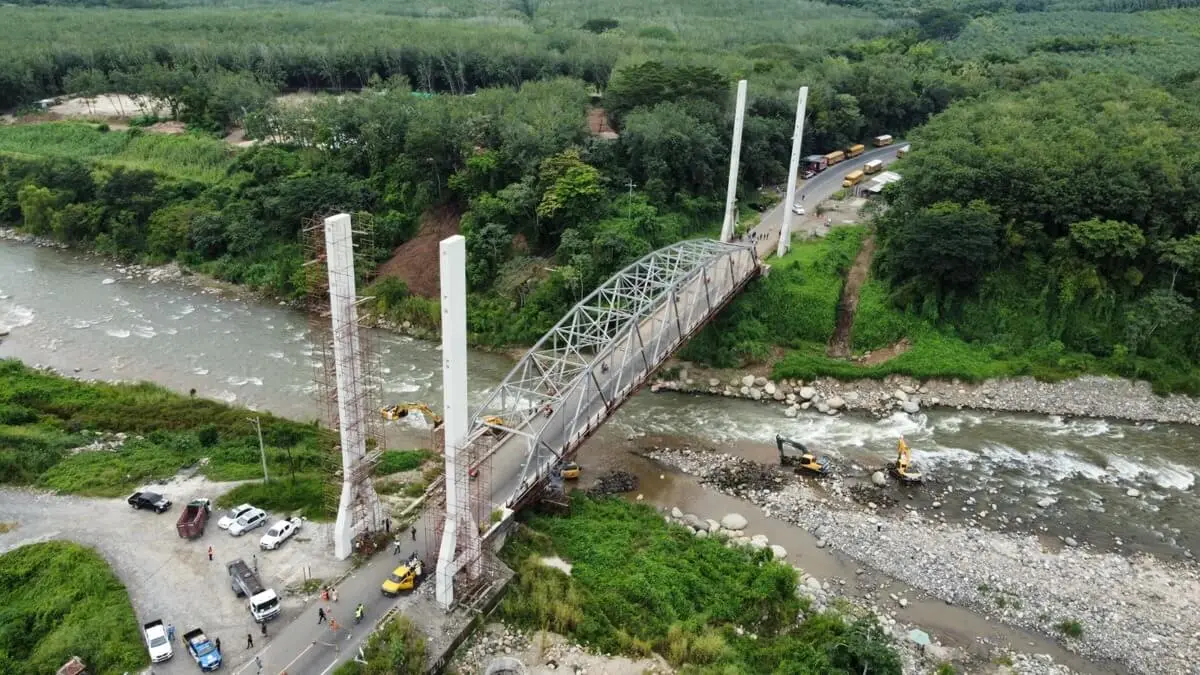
[[398, 411], [902, 468], [799, 457]]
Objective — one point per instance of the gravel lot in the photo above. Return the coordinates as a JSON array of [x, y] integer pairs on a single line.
[[169, 577]]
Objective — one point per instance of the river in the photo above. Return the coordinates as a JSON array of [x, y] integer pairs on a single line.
[[1132, 482], [1113, 480]]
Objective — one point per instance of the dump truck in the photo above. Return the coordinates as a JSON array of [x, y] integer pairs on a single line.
[[852, 178], [873, 166], [264, 603], [834, 157], [855, 150], [193, 519], [883, 140], [815, 163], [202, 650]]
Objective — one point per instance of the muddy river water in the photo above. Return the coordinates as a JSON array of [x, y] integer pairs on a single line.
[[1116, 483]]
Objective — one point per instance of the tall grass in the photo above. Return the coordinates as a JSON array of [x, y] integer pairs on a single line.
[[59, 600], [638, 584], [184, 156]]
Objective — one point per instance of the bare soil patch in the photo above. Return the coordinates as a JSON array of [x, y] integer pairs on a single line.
[[416, 260], [108, 106], [599, 125], [839, 344], [886, 354]]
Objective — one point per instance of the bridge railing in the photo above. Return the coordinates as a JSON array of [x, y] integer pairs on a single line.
[[617, 368]]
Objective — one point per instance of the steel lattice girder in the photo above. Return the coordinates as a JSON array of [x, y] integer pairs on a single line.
[[567, 353]]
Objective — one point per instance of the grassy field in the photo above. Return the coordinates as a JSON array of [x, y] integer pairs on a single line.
[[59, 600], [184, 156], [44, 416], [639, 585]]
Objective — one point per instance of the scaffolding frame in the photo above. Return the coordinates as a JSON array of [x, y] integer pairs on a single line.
[[364, 383]]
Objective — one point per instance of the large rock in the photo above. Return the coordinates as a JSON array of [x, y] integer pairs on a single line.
[[734, 521], [822, 407], [910, 407], [759, 542], [791, 412], [756, 393], [694, 521], [713, 525], [778, 551], [778, 395], [790, 398], [769, 389], [760, 381], [879, 479], [744, 391], [836, 403], [714, 382], [807, 393], [676, 513], [900, 395], [1046, 502], [748, 381]]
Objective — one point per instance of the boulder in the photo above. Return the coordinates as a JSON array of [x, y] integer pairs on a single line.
[[813, 583], [879, 479], [702, 534], [1133, 492], [714, 382], [807, 393], [756, 393], [823, 407], [760, 381], [759, 542], [734, 521], [805, 405], [778, 551], [769, 388], [791, 412], [900, 395], [694, 521], [713, 525], [744, 391], [836, 403], [676, 513], [851, 396], [790, 398], [1046, 502], [748, 381], [910, 407], [735, 382], [778, 395]]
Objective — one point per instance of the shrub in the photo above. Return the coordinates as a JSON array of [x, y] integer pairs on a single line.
[[1071, 628]]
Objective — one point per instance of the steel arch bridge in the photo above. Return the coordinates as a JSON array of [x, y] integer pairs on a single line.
[[599, 355]]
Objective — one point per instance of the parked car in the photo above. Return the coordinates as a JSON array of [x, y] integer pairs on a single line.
[[157, 641], [280, 532], [249, 520], [797, 209], [808, 173], [234, 513], [149, 500]]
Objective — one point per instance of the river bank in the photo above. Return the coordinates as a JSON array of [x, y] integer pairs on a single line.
[[1133, 610], [1087, 396]]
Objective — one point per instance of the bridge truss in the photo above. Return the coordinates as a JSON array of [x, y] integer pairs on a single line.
[[605, 348]]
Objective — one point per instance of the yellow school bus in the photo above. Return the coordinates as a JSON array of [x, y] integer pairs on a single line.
[[855, 150], [852, 178], [835, 157], [873, 166]]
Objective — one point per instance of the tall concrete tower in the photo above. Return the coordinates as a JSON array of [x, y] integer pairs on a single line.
[[358, 507], [785, 232], [735, 154]]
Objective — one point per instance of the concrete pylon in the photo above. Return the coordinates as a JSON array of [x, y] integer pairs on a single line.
[[735, 154], [785, 232], [459, 519], [358, 499]]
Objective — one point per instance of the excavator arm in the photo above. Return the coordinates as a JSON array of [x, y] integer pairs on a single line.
[[401, 410]]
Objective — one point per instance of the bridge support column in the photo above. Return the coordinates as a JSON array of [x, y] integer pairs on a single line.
[[459, 519], [731, 191], [785, 232]]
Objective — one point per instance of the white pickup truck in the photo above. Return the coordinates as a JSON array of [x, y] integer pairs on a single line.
[[157, 641], [280, 532]]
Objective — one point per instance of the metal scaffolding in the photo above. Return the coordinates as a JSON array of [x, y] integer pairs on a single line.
[[347, 376]]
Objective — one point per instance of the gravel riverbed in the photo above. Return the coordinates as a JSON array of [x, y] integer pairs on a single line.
[[1134, 610]]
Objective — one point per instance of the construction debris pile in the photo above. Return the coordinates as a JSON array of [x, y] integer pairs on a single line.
[[613, 482]]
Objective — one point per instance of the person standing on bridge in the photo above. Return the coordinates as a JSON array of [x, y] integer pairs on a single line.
[[414, 535], [249, 641], [320, 615]]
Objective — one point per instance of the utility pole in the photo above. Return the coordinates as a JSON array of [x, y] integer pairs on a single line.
[[730, 222], [262, 450], [785, 231], [631, 185]]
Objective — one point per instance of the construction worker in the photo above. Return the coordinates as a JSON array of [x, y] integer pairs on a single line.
[[358, 612]]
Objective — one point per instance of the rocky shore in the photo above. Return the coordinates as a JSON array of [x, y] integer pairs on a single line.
[[1135, 610], [1087, 396]]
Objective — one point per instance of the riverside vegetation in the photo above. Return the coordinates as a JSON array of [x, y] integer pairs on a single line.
[[1077, 250], [107, 440], [638, 584], [58, 600]]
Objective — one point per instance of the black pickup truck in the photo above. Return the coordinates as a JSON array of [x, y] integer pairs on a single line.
[[149, 500]]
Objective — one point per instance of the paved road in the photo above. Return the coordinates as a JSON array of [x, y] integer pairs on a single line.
[[814, 191]]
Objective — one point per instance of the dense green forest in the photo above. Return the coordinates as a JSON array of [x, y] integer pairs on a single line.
[[479, 110]]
